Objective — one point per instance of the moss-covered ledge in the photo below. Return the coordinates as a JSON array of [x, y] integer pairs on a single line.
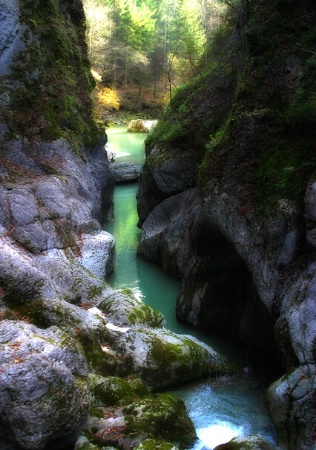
[[126, 415], [48, 79]]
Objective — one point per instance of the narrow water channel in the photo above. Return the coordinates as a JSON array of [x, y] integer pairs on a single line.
[[220, 409]]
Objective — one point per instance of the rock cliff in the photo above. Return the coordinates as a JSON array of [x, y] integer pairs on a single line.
[[237, 223], [68, 342]]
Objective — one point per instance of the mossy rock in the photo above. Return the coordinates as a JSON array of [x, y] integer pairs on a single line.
[[51, 100], [155, 421], [83, 443], [124, 309], [246, 443], [154, 444], [117, 391], [175, 359], [163, 417], [105, 363]]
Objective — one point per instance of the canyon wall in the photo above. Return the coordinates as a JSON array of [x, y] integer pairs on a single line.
[[227, 202], [79, 360]]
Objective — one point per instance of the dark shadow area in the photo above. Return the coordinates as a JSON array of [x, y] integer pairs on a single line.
[[218, 296]]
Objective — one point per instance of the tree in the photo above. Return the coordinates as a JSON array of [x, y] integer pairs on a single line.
[[149, 42], [98, 32]]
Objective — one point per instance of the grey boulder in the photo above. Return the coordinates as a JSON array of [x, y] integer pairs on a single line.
[[42, 394]]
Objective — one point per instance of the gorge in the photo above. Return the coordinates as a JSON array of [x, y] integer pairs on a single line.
[[226, 203], [222, 408]]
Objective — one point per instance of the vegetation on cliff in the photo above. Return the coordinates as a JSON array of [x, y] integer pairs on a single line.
[[49, 83], [256, 98]]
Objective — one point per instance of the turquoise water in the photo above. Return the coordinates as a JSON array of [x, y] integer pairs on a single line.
[[128, 147], [220, 409]]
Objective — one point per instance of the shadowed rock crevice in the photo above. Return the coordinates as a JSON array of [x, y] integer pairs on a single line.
[[219, 296]]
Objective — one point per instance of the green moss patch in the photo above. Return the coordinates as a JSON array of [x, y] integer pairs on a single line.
[[51, 80], [163, 417], [179, 360], [117, 391], [123, 307]]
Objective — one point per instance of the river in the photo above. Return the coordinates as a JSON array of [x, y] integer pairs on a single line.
[[220, 409]]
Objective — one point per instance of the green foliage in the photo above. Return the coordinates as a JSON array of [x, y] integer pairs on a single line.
[[213, 160], [150, 42], [256, 108], [135, 24], [193, 115], [300, 115], [280, 174]]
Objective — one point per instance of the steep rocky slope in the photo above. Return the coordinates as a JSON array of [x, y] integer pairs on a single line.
[[227, 200], [76, 356]]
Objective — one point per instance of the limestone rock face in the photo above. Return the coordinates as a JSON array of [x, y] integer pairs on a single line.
[[176, 216], [291, 400], [164, 174], [10, 40], [240, 276], [59, 320], [45, 369], [97, 253], [161, 357], [310, 214], [48, 212]]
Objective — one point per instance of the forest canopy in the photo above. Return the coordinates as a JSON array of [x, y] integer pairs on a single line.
[[156, 44]]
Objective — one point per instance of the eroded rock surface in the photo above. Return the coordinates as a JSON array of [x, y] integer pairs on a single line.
[[45, 369], [165, 173], [61, 325], [126, 172], [247, 275]]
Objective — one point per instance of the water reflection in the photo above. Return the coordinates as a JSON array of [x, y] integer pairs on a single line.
[[128, 147]]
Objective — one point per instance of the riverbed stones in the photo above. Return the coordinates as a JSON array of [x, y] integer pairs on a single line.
[[137, 126], [128, 416], [162, 358], [111, 390], [152, 444], [125, 310]]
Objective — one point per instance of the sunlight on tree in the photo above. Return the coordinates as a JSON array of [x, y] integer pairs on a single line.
[[99, 30], [146, 43], [106, 100], [97, 77]]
